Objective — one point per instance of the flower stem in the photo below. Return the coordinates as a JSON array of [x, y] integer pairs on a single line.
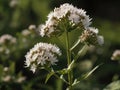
[[75, 44], [68, 59], [57, 76]]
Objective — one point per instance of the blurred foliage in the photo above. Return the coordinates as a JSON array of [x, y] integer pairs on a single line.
[[18, 14], [113, 86], [15, 17]]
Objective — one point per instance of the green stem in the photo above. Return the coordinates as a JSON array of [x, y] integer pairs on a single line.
[[68, 60], [60, 78], [75, 44], [57, 76], [82, 52]]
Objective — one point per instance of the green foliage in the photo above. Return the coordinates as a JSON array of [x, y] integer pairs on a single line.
[[113, 86]]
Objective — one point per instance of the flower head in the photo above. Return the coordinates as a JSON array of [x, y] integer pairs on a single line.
[[6, 38], [90, 36], [25, 32], [7, 78], [42, 54], [32, 27], [14, 3], [116, 55], [21, 79], [66, 16]]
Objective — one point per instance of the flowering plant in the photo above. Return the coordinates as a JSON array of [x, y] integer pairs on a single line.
[[62, 21]]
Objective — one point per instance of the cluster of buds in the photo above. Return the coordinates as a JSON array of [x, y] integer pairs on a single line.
[[90, 36]]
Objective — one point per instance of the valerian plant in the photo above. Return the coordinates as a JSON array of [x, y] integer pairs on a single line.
[[63, 19]]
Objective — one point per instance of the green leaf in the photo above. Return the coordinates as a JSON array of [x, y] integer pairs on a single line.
[[89, 73], [66, 70], [75, 45], [83, 51], [71, 65], [49, 75], [113, 86], [63, 79], [76, 81]]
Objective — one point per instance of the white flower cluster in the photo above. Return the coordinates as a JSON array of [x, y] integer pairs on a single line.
[[25, 32], [100, 39], [90, 36], [74, 16], [7, 38], [32, 27], [42, 54], [116, 55], [13, 3], [7, 77]]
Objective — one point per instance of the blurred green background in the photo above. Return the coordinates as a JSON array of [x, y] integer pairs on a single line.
[[17, 15]]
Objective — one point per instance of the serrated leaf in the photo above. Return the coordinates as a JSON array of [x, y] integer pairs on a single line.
[[49, 75]]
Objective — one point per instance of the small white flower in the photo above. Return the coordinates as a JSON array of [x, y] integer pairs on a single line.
[[100, 40], [20, 79], [25, 32], [32, 27], [6, 78], [1, 49], [5, 69], [116, 55], [7, 38], [14, 3], [95, 30], [90, 36], [42, 54], [73, 15], [85, 65]]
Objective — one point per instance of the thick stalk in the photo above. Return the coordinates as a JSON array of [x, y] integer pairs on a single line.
[[68, 59]]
